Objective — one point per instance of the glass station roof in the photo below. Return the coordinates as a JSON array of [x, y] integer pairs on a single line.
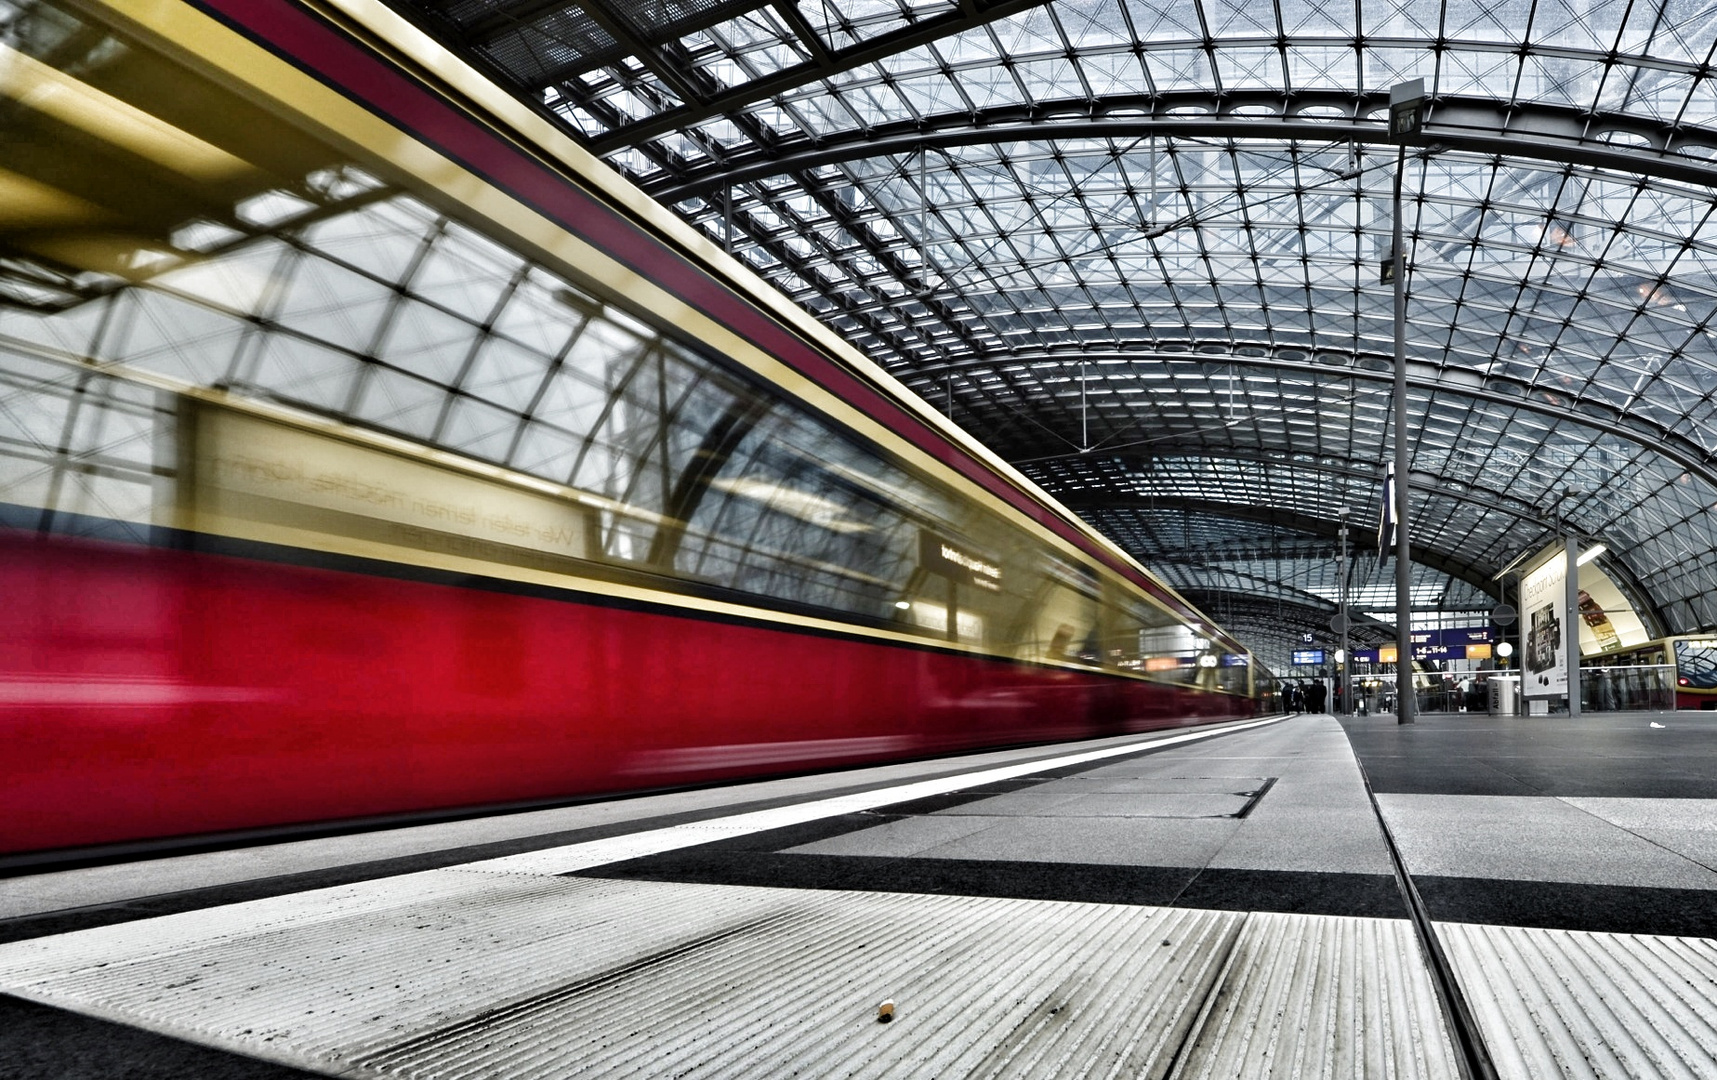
[[1135, 245]]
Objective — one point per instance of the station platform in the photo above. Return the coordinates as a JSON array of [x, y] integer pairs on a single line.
[[1299, 896]]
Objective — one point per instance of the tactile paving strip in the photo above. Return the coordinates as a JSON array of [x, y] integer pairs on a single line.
[[577, 977], [1310, 997], [1556, 1004]]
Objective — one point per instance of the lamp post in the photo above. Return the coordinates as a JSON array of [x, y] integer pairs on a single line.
[[1344, 681], [1406, 101]]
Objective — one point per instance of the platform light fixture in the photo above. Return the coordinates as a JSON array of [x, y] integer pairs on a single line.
[[1591, 553]]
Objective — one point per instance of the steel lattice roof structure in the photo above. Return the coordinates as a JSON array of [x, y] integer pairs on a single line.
[[1134, 246]]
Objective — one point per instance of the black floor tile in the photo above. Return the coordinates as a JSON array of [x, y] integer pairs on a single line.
[[960, 877], [1617, 909], [1600, 755], [1369, 895], [1372, 895], [38, 1042]]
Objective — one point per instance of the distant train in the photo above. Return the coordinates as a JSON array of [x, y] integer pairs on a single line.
[[371, 451], [1678, 672]]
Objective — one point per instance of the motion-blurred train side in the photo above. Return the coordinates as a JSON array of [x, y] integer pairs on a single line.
[[374, 452]]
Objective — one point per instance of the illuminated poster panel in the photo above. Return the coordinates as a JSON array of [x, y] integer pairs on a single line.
[[1608, 621], [1544, 611]]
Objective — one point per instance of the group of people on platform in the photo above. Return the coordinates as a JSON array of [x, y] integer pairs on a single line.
[[1312, 697]]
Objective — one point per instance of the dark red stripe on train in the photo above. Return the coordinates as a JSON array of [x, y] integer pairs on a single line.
[[312, 44], [150, 692]]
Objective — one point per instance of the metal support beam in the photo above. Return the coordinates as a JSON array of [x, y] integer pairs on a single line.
[[793, 17], [495, 21], [878, 48], [1091, 504], [646, 53], [1521, 130], [1639, 430]]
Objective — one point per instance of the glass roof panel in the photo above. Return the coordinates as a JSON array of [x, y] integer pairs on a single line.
[[1093, 232]]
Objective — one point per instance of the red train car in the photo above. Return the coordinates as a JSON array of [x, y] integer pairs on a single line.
[[371, 451]]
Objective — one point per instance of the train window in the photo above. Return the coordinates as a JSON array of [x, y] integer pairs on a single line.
[[1696, 662], [81, 455], [769, 517], [1130, 624], [1065, 618]]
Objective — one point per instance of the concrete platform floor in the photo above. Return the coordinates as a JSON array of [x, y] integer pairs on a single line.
[[1218, 903], [1604, 822]]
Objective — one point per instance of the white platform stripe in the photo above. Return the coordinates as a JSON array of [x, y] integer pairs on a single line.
[[564, 860]]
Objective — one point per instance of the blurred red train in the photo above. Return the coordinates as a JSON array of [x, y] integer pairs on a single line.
[[380, 455]]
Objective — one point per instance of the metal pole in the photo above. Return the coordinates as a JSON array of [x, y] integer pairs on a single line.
[[1520, 633], [1084, 421], [924, 214], [1154, 221], [1345, 668], [1404, 703], [1571, 622]]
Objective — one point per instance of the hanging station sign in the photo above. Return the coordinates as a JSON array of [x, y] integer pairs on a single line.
[[1457, 643]]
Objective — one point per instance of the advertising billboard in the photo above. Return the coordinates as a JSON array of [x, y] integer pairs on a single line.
[[1544, 608]]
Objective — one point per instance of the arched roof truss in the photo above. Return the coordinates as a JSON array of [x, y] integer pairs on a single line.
[[1135, 245]]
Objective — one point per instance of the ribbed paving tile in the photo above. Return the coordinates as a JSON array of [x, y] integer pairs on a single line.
[[530, 976], [984, 988], [1308, 997], [1567, 1003]]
